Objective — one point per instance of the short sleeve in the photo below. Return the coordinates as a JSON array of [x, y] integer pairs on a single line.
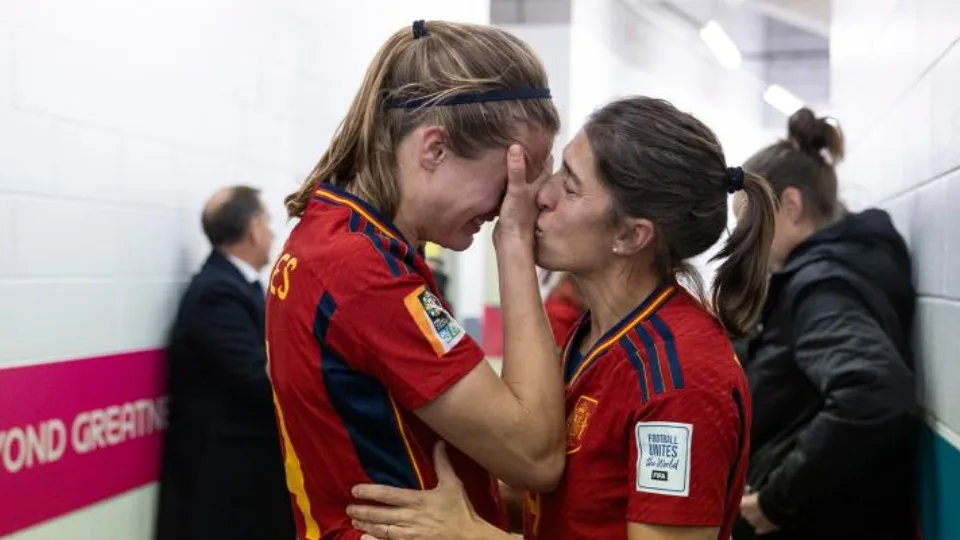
[[683, 447], [405, 337]]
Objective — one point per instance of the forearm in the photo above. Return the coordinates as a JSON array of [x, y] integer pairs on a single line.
[[531, 369]]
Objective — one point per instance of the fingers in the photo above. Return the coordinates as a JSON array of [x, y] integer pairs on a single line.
[[388, 495], [378, 515], [516, 166], [381, 532], [372, 530], [445, 473]]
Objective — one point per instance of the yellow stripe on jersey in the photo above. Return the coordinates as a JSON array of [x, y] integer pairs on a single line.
[[294, 474], [358, 209], [406, 443], [657, 302]]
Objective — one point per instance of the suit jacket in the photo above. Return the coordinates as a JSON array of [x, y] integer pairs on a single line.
[[222, 466]]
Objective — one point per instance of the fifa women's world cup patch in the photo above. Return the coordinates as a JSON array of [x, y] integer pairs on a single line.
[[438, 326]]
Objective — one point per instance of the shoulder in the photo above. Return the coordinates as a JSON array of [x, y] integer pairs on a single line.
[[811, 278], [214, 282], [694, 332], [682, 349], [347, 263]]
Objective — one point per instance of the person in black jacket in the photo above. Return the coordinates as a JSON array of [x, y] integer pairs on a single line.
[[831, 369], [223, 475]]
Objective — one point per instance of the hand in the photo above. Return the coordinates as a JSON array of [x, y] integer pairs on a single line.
[[751, 511], [443, 513], [518, 211]]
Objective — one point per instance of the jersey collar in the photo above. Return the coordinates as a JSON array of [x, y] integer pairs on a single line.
[[336, 195], [657, 298]]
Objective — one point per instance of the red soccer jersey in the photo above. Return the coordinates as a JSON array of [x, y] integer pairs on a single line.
[[357, 337], [658, 413]]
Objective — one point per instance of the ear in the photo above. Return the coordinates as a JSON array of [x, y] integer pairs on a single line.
[[433, 147], [252, 232], [791, 204], [634, 236]]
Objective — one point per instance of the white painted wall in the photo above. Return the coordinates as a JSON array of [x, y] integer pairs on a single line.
[[117, 120], [552, 44], [896, 77], [904, 136]]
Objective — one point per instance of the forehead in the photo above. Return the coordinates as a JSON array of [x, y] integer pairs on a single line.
[[537, 142], [578, 155]]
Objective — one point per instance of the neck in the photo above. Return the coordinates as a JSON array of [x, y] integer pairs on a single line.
[[612, 294], [245, 255], [404, 223]]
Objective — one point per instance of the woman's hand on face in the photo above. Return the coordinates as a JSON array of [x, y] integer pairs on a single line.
[[519, 211], [443, 513]]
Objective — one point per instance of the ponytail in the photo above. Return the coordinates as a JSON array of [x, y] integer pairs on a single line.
[[355, 141], [740, 286], [434, 61]]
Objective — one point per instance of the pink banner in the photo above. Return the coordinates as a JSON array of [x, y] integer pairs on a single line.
[[77, 432]]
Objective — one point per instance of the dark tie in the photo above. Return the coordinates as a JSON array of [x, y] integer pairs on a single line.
[[257, 289]]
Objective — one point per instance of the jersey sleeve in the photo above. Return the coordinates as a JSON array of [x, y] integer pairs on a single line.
[[683, 447], [405, 337]]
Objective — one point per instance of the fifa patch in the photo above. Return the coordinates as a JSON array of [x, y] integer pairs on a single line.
[[577, 422], [438, 326], [663, 458]]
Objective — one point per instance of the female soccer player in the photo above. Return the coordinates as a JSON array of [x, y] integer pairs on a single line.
[[658, 409], [368, 368]]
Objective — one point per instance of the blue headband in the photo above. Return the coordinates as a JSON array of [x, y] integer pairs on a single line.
[[475, 97]]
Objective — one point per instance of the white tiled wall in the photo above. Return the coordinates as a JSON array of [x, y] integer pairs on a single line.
[[896, 82], [117, 120]]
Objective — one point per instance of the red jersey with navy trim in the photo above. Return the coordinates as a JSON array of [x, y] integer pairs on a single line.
[[658, 416], [357, 338]]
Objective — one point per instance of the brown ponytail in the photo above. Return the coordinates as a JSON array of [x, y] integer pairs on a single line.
[[805, 160], [350, 148], [439, 61], [666, 166], [740, 285]]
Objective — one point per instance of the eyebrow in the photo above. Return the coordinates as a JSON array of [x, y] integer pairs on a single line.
[[573, 175]]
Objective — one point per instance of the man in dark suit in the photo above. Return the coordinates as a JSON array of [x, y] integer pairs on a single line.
[[223, 473]]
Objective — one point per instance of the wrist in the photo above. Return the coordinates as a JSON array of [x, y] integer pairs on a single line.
[[513, 242], [480, 530]]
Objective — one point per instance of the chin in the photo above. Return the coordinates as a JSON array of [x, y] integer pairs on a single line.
[[457, 242], [543, 259]]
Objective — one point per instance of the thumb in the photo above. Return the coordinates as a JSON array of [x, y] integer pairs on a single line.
[[445, 473], [516, 165]]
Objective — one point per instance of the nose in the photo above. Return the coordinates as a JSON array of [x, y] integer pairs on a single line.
[[546, 196]]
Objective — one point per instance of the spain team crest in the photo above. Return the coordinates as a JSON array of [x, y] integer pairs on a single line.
[[578, 421]]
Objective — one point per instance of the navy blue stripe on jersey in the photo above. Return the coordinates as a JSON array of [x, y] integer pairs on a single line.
[[398, 249], [364, 408], [656, 378], [741, 439], [404, 253], [354, 222], [365, 206], [573, 359], [669, 344], [634, 356], [374, 239]]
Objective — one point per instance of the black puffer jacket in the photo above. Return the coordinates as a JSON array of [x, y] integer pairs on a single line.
[[831, 374]]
